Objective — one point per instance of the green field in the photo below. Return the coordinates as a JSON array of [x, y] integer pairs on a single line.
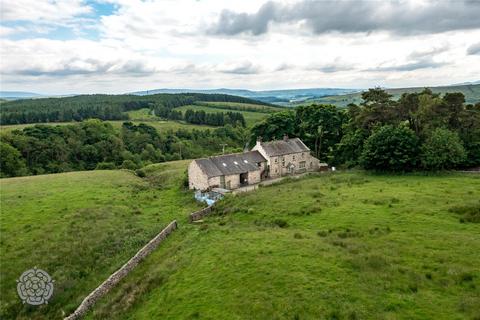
[[162, 126], [331, 246], [250, 117], [340, 246], [471, 92], [80, 227], [242, 106]]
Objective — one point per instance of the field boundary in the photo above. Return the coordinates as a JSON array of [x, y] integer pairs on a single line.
[[197, 215], [118, 275]]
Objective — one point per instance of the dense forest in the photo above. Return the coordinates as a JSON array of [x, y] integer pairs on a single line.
[[103, 107], [94, 144], [419, 131]]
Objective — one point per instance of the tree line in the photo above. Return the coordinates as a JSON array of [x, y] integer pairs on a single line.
[[94, 144], [418, 131], [201, 117], [104, 107]]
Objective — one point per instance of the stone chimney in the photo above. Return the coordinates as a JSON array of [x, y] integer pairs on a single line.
[[285, 137], [259, 140]]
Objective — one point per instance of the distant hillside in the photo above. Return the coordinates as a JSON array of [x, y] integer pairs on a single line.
[[13, 95], [101, 106], [282, 97], [471, 92]]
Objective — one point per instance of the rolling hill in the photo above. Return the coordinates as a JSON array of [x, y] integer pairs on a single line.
[[281, 97], [80, 227], [346, 246], [471, 92]]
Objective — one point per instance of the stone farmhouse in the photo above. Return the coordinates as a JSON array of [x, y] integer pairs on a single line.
[[287, 157], [266, 160]]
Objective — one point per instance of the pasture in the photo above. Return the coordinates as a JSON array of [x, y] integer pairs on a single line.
[[80, 227], [334, 246]]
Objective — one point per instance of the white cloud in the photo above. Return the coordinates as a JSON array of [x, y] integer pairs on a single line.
[[152, 44], [43, 10]]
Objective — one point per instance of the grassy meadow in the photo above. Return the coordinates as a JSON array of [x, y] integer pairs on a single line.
[[333, 246], [242, 106], [162, 126], [145, 116], [80, 227]]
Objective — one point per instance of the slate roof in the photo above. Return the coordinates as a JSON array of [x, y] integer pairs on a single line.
[[283, 147], [235, 163]]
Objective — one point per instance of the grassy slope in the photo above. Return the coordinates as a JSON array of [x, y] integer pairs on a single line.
[[80, 227], [138, 116], [357, 246], [471, 92], [250, 117], [145, 116], [237, 106]]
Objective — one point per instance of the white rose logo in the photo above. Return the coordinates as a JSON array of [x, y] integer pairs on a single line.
[[35, 287]]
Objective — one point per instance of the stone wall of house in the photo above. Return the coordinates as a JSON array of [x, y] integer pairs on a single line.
[[232, 181], [197, 179], [258, 147], [254, 177], [214, 182], [108, 284], [278, 165]]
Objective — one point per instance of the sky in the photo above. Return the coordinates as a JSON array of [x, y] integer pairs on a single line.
[[118, 46]]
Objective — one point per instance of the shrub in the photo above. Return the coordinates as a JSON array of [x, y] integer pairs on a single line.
[[129, 164], [281, 223], [185, 183], [140, 173], [11, 162], [390, 149], [443, 149], [105, 166], [468, 213]]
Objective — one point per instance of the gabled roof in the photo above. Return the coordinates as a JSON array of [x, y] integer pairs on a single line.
[[283, 147], [231, 163]]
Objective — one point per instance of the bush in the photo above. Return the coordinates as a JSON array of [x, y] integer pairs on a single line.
[[443, 149], [468, 213], [105, 166], [11, 162], [281, 223], [129, 164], [390, 149], [185, 182], [140, 173]]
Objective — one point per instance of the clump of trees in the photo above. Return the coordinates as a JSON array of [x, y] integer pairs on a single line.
[[418, 131], [215, 118], [94, 144]]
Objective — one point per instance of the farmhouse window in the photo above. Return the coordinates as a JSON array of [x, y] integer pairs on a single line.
[[301, 165]]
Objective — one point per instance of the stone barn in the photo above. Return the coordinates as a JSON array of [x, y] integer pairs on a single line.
[[227, 171]]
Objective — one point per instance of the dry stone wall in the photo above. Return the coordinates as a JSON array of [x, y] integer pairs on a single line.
[[108, 284], [200, 214]]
